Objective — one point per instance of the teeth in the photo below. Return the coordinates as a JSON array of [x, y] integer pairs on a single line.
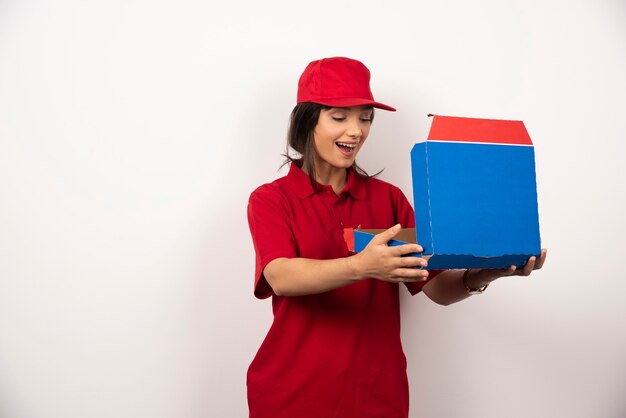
[[351, 146]]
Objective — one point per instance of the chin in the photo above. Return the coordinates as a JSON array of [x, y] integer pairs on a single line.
[[344, 164]]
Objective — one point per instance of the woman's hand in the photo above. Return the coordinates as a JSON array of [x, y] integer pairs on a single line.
[[480, 278], [380, 261], [448, 287]]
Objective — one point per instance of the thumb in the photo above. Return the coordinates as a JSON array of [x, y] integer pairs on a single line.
[[385, 236]]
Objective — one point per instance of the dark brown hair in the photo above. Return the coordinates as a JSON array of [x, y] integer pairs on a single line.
[[302, 122]]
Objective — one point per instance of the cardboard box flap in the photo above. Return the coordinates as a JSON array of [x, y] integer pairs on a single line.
[[453, 128]]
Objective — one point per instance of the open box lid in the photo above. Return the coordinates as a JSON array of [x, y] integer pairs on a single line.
[[474, 194]]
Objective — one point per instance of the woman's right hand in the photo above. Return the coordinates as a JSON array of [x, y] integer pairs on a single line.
[[380, 261]]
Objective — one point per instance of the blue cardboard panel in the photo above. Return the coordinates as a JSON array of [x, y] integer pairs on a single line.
[[482, 199], [361, 239], [456, 261]]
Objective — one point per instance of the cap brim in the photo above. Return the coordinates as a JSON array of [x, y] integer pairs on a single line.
[[350, 102]]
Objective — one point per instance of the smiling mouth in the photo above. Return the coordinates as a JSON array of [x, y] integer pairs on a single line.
[[346, 147]]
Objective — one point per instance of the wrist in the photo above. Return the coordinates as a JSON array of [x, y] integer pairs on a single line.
[[355, 269], [473, 283]]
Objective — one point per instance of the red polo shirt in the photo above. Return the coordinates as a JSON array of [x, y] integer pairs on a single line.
[[335, 354]]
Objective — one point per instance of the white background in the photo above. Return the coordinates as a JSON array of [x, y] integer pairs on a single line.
[[132, 133]]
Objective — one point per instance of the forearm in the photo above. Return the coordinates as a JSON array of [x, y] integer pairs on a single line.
[[447, 287], [304, 276]]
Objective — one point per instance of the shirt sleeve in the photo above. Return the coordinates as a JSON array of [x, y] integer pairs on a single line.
[[406, 218], [272, 236]]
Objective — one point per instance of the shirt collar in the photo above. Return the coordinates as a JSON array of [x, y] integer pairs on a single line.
[[300, 182]]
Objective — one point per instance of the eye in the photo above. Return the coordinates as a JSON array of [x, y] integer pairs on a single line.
[[338, 118], [366, 119]]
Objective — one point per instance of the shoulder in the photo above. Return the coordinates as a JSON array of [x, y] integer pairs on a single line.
[[274, 187], [377, 187], [274, 193], [266, 190]]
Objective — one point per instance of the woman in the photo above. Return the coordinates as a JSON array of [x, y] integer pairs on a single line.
[[334, 347]]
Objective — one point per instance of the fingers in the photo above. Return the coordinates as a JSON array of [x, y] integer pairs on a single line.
[[411, 262], [400, 250], [509, 271], [408, 275], [406, 271], [532, 264], [524, 271], [528, 267], [394, 263], [397, 250], [385, 236], [542, 259]]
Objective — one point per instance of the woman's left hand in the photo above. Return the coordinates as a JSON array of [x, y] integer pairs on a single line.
[[486, 276], [452, 286]]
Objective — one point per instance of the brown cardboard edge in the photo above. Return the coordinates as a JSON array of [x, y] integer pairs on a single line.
[[407, 235]]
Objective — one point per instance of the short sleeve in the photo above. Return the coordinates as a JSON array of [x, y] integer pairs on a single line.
[[406, 218], [272, 236]]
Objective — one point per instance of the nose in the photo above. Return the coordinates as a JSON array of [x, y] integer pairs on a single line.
[[354, 134], [354, 130]]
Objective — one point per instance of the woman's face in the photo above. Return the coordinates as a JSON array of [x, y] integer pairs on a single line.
[[339, 135]]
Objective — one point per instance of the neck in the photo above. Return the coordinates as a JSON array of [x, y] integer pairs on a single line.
[[333, 176]]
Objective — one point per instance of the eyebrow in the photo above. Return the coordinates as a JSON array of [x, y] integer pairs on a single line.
[[346, 109]]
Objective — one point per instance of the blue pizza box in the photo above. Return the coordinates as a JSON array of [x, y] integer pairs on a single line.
[[474, 195]]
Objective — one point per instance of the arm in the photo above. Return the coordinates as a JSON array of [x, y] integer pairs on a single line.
[[448, 287], [302, 276]]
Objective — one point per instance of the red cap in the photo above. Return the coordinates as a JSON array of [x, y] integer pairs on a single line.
[[337, 82]]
